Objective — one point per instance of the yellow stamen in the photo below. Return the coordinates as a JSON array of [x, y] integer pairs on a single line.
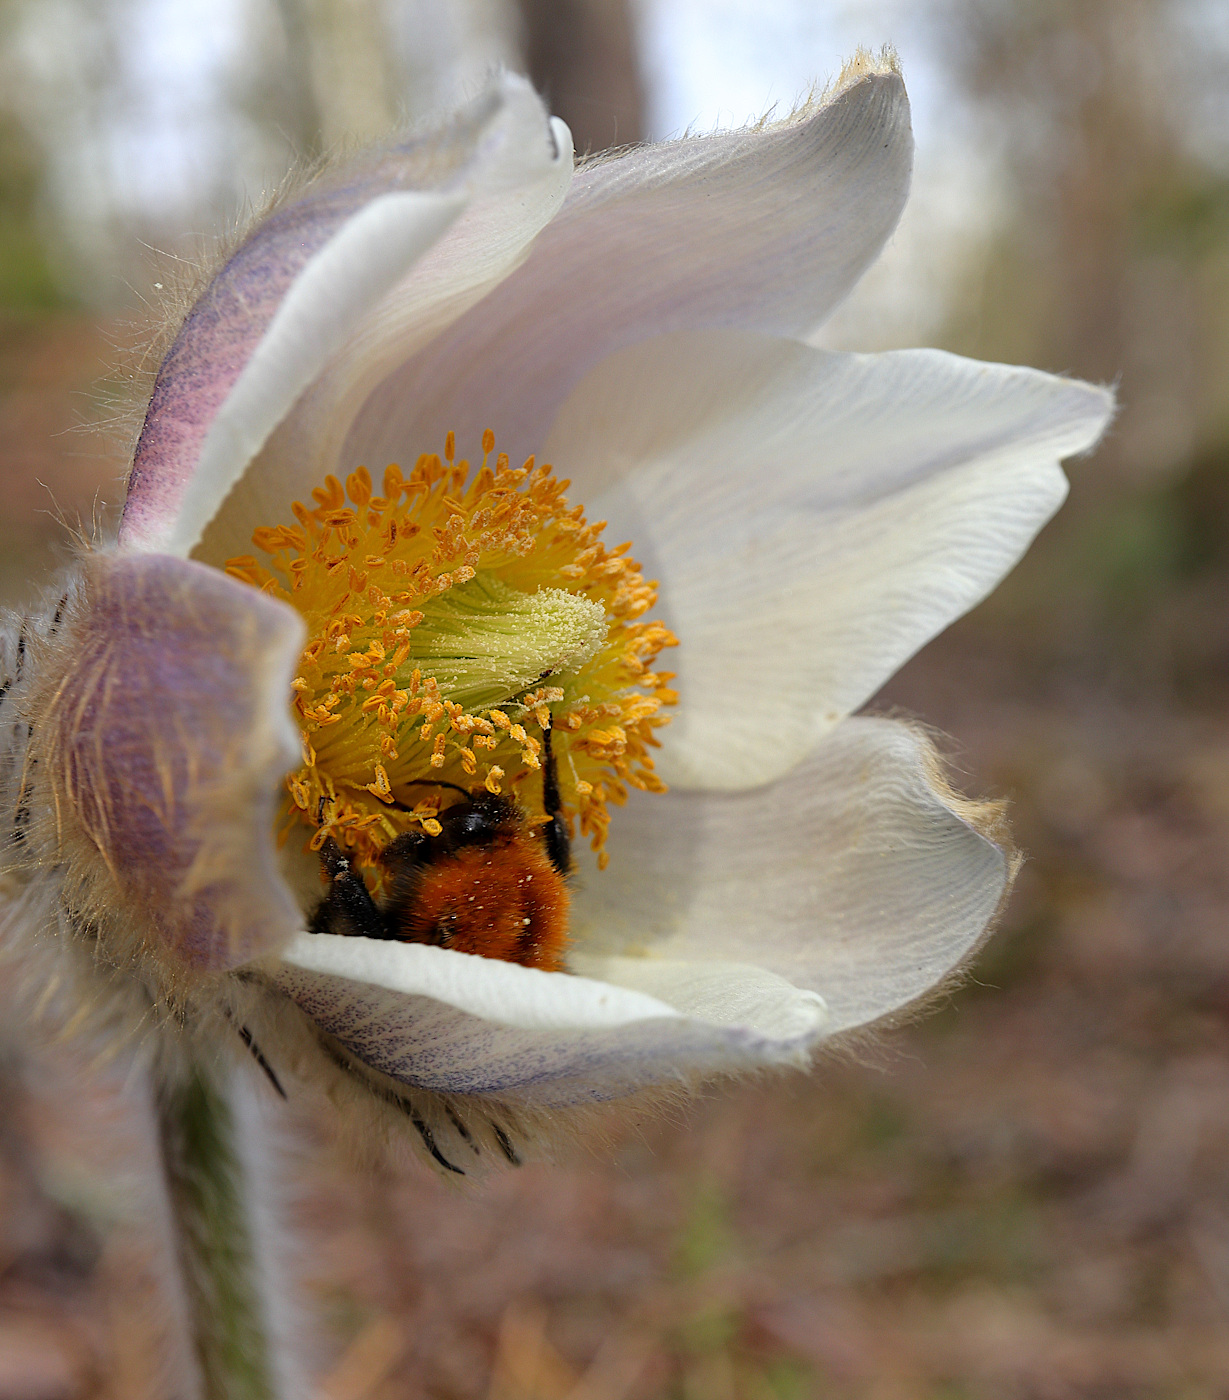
[[458, 614]]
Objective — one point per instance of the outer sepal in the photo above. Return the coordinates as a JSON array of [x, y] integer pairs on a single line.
[[160, 732]]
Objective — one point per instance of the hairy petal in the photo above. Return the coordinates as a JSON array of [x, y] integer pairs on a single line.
[[307, 279], [164, 732], [858, 877], [468, 1025], [814, 518], [345, 278], [766, 229], [724, 993]]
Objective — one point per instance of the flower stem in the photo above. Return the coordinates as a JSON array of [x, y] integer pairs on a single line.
[[209, 1203]]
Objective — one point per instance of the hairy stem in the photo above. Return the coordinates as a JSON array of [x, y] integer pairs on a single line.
[[208, 1200]]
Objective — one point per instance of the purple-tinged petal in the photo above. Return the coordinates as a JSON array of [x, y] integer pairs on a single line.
[[343, 281], [164, 735], [296, 289], [467, 1025], [763, 230], [508, 206]]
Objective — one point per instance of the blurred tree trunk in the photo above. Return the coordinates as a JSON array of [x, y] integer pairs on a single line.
[[1099, 274], [582, 54], [341, 82]]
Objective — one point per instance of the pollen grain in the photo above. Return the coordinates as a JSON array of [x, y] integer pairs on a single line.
[[452, 617]]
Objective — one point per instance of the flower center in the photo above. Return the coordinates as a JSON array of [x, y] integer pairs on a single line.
[[453, 619]]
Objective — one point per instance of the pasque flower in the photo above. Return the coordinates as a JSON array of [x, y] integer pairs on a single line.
[[809, 519]]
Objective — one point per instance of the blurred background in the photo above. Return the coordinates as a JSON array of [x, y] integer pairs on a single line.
[[1027, 1194]]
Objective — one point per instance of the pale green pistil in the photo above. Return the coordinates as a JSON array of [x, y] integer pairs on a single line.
[[485, 642]]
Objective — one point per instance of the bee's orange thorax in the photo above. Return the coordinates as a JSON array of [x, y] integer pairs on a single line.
[[503, 900]]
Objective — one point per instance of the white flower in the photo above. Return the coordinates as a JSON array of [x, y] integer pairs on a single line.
[[813, 519]]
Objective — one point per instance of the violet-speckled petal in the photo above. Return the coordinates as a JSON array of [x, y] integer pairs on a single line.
[[468, 1025], [388, 207], [763, 230], [165, 743]]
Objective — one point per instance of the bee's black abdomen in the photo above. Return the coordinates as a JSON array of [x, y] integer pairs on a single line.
[[406, 851], [348, 908], [477, 821]]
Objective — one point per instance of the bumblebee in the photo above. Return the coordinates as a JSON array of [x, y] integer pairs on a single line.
[[490, 883]]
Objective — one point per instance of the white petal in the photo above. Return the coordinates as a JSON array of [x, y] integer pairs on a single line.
[[855, 877], [813, 518], [508, 205], [370, 254], [725, 993], [762, 229], [467, 1025], [856, 886], [501, 992], [330, 273]]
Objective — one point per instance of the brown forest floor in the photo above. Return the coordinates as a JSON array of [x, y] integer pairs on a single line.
[[1023, 1197]]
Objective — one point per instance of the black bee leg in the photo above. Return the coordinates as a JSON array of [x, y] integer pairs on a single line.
[[348, 908], [462, 1131], [555, 832], [505, 1144], [258, 1055], [428, 1137]]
